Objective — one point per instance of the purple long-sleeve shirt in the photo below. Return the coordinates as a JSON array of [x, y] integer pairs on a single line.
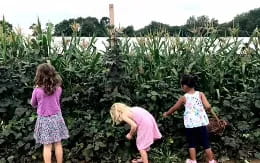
[[46, 105]]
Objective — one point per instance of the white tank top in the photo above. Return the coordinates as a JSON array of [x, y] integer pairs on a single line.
[[194, 115]]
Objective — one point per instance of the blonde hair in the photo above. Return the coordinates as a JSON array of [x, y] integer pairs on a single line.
[[117, 109]]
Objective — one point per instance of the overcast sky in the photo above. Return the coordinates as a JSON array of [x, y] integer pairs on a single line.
[[127, 12]]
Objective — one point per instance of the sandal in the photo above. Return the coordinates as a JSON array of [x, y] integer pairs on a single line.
[[190, 161]]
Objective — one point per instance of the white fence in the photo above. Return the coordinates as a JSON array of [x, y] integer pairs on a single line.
[[101, 42]]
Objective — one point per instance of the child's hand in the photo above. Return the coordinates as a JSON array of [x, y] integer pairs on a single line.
[[129, 136], [208, 109], [165, 114]]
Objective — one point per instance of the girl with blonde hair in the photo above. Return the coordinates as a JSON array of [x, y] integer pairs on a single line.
[[142, 124]]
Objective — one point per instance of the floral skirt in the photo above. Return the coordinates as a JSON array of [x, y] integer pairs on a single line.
[[50, 129]]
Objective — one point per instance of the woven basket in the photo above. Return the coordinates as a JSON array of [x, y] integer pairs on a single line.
[[216, 126]]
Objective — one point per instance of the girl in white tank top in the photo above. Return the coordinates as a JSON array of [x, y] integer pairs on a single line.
[[195, 117]]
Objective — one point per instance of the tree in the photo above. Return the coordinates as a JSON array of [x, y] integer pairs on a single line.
[[129, 31], [201, 26], [89, 27], [247, 22], [64, 28], [195, 26], [104, 21], [201, 21], [191, 22], [153, 27]]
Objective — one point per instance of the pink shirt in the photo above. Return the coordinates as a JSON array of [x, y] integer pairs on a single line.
[[46, 105]]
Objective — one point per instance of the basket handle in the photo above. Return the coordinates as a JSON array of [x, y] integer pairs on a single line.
[[214, 114]]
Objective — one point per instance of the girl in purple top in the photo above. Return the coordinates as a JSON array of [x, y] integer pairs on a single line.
[[50, 127]]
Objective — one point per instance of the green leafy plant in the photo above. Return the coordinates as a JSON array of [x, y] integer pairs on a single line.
[[144, 72]]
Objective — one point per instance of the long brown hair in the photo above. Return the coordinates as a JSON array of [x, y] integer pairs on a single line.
[[47, 78]]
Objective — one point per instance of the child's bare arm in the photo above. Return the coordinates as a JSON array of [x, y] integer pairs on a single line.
[[205, 101], [34, 101], [177, 106], [132, 124]]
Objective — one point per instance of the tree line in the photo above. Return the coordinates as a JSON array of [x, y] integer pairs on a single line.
[[242, 25]]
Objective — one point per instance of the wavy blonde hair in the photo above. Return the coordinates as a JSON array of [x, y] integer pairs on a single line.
[[116, 111]]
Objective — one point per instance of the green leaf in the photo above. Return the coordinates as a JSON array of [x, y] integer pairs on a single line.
[[90, 146], [2, 89], [257, 104], [20, 111], [154, 93], [226, 103], [27, 146], [154, 98], [20, 144], [96, 148], [18, 136], [101, 144], [32, 118], [2, 160], [2, 110], [243, 68], [243, 125], [10, 159], [87, 154], [145, 86], [257, 155], [2, 141], [34, 157]]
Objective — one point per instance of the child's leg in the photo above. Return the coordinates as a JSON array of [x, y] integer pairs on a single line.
[[47, 153], [209, 154], [206, 144], [192, 152], [144, 156], [192, 135], [58, 152]]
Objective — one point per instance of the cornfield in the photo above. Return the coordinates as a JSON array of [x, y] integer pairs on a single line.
[[228, 71]]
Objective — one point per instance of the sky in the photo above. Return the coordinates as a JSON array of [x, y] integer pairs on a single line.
[[138, 13]]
